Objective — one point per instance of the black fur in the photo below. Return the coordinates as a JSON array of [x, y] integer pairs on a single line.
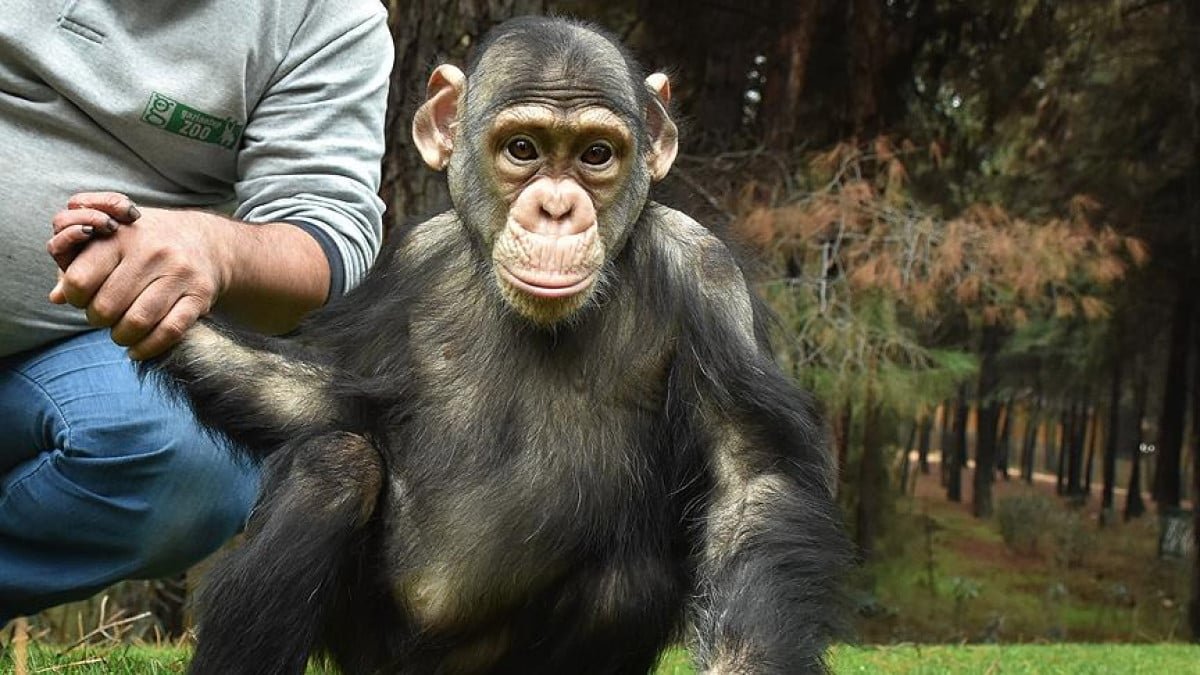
[[451, 488]]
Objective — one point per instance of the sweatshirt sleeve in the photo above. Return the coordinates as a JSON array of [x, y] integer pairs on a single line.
[[313, 145]]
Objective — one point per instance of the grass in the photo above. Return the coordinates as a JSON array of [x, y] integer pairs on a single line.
[[1061, 659], [945, 576], [123, 660]]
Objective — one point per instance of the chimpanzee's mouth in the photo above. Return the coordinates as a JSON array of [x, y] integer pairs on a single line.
[[543, 284]]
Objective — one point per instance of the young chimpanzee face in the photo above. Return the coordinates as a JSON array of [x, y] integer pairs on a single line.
[[551, 150]]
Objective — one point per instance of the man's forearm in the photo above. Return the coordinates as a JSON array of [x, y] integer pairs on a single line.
[[276, 273]]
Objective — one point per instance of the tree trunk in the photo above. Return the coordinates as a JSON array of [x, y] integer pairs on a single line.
[[958, 447], [1033, 423], [1194, 605], [425, 34], [906, 459], [924, 438], [962, 432], [1192, 274], [1078, 440], [1167, 477], [868, 56], [985, 431], [1113, 439], [1135, 506], [1050, 452], [1004, 441], [842, 431], [1093, 438], [1064, 443], [871, 483], [1078, 445], [787, 68], [947, 439]]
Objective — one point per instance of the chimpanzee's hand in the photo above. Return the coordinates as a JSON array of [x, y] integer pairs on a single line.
[[148, 274]]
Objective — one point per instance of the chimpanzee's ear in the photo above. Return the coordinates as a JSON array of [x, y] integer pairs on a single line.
[[664, 137], [433, 125]]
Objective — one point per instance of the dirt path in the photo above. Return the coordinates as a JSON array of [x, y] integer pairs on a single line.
[[930, 485]]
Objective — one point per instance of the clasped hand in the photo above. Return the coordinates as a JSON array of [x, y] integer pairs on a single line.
[[148, 274]]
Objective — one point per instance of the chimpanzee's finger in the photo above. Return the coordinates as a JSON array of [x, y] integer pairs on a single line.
[[67, 243], [100, 222], [115, 204]]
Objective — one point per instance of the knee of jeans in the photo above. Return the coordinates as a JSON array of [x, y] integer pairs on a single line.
[[205, 502]]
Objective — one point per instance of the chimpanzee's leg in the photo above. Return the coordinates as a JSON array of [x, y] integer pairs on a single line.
[[265, 605]]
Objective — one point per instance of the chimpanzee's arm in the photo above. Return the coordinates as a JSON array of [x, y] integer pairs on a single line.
[[773, 551], [257, 390], [263, 391]]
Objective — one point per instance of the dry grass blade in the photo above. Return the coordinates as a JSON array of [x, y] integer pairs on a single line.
[[104, 628], [73, 664], [21, 647]]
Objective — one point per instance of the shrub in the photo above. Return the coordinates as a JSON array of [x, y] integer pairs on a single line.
[[1022, 520], [1073, 538]]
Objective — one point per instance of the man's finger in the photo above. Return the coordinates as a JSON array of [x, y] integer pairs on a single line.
[[83, 278], [100, 221], [146, 312], [66, 244], [56, 294], [122, 287], [171, 329], [115, 204]]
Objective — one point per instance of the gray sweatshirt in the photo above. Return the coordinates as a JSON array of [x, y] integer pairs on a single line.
[[270, 110]]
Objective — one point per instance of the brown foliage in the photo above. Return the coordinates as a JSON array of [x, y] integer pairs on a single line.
[[995, 265]]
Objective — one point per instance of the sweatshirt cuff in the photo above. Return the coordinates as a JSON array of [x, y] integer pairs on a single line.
[[337, 267]]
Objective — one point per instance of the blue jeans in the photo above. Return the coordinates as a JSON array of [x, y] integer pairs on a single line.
[[102, 477]]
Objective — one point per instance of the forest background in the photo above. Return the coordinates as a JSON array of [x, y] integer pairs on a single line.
[[978, 223]]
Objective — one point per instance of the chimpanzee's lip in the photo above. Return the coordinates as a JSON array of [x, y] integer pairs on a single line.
[[546, 286]]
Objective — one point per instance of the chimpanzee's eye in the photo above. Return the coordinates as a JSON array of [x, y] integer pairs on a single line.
[[597, 154], [521, 149]]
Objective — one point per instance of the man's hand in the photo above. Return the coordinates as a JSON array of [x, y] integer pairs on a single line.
[[148, 274]]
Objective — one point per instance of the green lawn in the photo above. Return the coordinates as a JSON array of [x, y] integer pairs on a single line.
[[1173, 659], [1060, 659]]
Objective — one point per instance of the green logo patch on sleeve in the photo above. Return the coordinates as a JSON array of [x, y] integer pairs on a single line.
[[168, 114]]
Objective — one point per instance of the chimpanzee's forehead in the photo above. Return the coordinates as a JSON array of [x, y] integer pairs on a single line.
[[569, 69], [565, 93]]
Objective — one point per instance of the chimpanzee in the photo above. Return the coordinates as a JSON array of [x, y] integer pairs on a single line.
[[545, 435]]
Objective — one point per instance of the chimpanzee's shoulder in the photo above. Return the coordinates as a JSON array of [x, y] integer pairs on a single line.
[[696, 249], [700, 263], [429, 239]]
